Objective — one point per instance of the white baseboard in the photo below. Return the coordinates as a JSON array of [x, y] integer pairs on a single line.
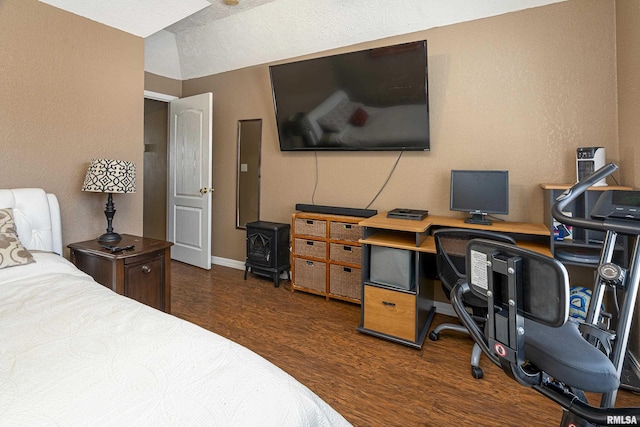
[[227, 262], [238, 265]]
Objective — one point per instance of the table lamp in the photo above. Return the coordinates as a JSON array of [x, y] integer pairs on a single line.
[[110, 176]]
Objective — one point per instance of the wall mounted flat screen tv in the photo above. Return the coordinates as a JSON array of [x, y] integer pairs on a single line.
[[480, 192], [374, 99]]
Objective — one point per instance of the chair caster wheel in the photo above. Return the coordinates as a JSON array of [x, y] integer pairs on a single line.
[[476, 372], [433, 336]]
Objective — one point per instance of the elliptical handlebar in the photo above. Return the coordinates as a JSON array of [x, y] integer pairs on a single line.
[[574, 192]]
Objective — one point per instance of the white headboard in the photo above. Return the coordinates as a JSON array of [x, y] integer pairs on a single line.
[[37, 217]]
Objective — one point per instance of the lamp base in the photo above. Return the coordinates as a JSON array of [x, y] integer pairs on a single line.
[[109, 237]]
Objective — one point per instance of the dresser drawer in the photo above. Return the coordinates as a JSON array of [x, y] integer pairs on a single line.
[[345, 231], [345, 253], [345, 281], [310, 274], [310, 227], [390, 312], [144, 281], [310, 248]]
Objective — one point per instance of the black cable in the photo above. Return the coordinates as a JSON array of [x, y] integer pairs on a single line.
[[388, 178], [315, 187]]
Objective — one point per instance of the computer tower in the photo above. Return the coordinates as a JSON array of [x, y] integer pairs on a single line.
[[589, 160]]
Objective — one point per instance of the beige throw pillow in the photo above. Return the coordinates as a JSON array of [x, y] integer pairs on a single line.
[[7, 225], [11, 250]]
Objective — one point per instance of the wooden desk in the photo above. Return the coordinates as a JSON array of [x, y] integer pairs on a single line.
[[404, 315], [415, 235]]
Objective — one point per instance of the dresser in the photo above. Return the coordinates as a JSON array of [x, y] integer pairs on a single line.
[[327, 257]]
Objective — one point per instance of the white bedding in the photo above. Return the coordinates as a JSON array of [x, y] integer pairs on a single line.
[[73, 352]]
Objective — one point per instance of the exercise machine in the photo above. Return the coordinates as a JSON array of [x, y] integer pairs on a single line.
[[528, 332]]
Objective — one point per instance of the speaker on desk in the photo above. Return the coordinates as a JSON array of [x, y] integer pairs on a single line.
[[589, 160]]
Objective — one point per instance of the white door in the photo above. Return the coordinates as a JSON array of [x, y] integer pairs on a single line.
[[189, 193]]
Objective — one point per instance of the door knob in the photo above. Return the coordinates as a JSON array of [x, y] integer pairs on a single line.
[[205, 190]]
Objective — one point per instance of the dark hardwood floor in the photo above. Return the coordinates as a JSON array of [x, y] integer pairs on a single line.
[[370, 381]]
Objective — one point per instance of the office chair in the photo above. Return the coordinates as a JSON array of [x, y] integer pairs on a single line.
[[450, 265], [528, 332]]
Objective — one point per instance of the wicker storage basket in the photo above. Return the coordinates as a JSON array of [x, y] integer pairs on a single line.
[[310, 274], [345, 231], [310, 248], [345, 281], [310, 227], [345, 253]]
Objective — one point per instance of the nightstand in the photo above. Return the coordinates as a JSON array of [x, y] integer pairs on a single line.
[[142, 273]]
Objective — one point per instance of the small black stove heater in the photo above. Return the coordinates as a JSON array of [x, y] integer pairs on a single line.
[[268, 249]]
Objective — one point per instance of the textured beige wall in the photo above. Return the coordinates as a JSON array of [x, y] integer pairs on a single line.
[[164, 85], [519, 91], [71, 90], [628, 43]]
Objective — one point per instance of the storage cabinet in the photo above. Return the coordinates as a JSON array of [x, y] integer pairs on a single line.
[[327, 258], [398, 279], [581, 247], [142, 273]]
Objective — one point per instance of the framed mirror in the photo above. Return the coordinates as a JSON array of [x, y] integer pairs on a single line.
[[248, 172]]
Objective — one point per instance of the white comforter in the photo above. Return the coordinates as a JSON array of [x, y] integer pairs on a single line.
[[74, 353]]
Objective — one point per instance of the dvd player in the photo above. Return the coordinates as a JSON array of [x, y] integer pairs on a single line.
[[414, 214]]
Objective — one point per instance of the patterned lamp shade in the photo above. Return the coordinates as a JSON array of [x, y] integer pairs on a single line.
[[110, 176]]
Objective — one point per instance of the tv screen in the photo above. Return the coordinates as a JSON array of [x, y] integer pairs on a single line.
[[480, 192], [374, 99]]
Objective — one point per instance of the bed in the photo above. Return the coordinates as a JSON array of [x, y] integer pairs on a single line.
[[72, 352], [341, 121]]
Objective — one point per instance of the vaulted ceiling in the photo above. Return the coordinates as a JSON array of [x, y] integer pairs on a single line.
[[186, 39]]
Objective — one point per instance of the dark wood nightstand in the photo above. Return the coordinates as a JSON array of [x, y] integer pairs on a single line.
[[142, 273]]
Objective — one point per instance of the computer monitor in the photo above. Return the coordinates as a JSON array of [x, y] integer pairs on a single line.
[[480, 192]]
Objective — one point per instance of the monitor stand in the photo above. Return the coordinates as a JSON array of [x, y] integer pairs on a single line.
[[478, 218]]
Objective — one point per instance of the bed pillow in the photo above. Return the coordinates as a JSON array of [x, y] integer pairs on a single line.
[[359, 118], [338, 118], [11, 250]]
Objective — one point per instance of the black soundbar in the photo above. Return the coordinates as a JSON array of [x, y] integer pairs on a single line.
[[335, 210]]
